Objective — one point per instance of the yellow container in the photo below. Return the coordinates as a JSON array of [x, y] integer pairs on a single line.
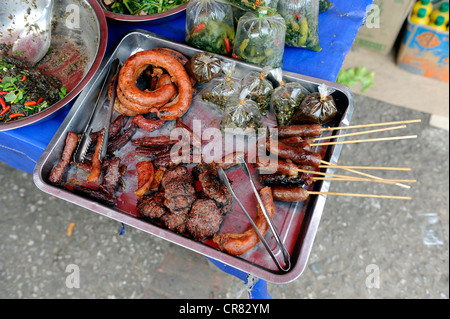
[[439, 24], [442, 11], [423, 4], [421, 17]]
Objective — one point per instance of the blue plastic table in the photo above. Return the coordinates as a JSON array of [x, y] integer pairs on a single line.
[[21, 148]]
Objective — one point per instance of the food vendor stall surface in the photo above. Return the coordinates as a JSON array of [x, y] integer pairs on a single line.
[[28, 148]]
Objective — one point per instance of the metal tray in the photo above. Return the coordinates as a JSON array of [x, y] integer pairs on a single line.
[[297, 223]]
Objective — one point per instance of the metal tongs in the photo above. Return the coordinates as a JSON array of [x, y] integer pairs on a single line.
[[224, 178], [100, 118]]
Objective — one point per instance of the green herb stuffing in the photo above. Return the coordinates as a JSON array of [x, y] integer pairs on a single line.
[[137, 7], [212, 36]]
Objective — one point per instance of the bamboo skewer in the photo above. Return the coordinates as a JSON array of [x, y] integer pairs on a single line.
[[370, 125], [367, 140], [384, 181], [359, 195], [358, 133], [368, 167], [353, 178], [362, 174]]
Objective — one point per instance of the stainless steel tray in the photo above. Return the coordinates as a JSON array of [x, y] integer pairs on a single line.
[[297, 223]]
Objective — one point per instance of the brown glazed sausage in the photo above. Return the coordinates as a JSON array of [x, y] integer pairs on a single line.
[[129, 92], [290, 194], [69, 148], [297, 141], [278, 166], [148, 125], [297, 155], [237, 244], [304, 130]]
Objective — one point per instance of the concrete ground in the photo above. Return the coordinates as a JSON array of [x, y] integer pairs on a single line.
[[364, 248]]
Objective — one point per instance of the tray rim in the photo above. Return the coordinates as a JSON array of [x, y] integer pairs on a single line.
[[186, 242]]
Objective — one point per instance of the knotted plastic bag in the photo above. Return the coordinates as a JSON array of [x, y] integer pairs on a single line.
[[318, 107], [204, 67], [302, 23], [222, 88], [210, 26], [260, 39], [286, 98], [255, 5], [260, 88], [241, 116]]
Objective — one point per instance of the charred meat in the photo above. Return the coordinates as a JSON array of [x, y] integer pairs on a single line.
[[204, 219]]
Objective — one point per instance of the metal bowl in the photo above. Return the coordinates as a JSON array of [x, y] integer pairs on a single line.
[[153, 18], [80, 23]]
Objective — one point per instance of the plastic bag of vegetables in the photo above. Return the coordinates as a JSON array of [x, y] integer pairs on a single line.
[[318, 107], [260, 88], [324, 5], [302, 23], [222, 88], [260, 39], [255, 5], [286, 98], [241, 116], [210, 26]]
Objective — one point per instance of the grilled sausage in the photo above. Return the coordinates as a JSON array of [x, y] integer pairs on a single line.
[[69, 148], [152, 101], [238, 244], [290, 194], [297, 155], [304, 130]]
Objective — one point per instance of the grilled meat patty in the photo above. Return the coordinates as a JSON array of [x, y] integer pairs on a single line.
[[152, 205], [179, 195], [204, 219], [213, 188]]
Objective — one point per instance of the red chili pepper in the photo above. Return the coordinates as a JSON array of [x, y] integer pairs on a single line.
[[2, 102], [30, 103], [14, 115], [227, 44], [299, 16], [24, 78], [6, 109], [234, 56], [3, 92], [199, 28], [258, 2], [41, 99]]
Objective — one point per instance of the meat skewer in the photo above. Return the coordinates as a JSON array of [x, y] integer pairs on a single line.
[[299, 194], [296, 155], [312, 130]]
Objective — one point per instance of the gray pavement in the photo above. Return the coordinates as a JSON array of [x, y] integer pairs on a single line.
[[405, 243]]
